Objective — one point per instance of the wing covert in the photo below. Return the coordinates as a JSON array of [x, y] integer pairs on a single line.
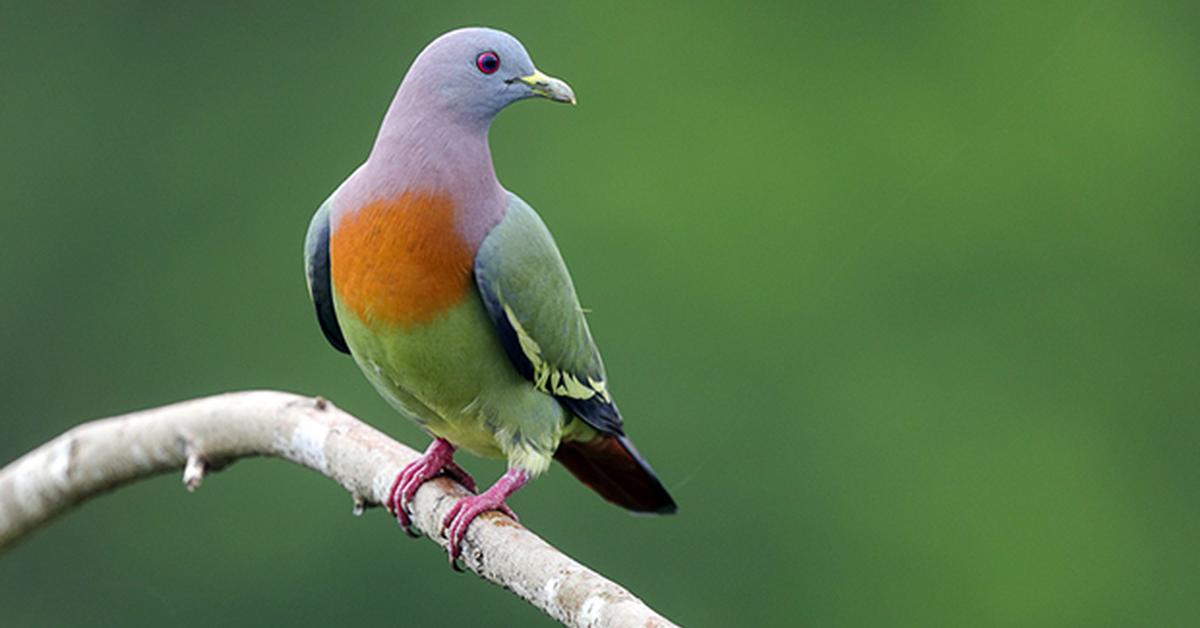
[[531, 300]]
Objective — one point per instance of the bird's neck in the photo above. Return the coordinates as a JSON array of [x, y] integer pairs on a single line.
[[439, 154]]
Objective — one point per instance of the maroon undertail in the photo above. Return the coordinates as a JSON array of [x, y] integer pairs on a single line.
[[612, 467]]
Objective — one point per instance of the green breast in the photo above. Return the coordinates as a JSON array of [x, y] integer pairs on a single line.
[[452, 377]]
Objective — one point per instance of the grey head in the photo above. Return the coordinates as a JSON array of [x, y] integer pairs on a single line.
[[468, 75]]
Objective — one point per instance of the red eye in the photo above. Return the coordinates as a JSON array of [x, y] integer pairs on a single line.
[[488, 62]]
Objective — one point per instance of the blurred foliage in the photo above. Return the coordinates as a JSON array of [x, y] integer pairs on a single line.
[[901, 300]]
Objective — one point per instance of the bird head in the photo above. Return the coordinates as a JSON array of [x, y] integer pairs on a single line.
[[473, 73]]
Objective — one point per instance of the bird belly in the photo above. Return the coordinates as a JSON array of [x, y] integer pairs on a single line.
[[452, 377]]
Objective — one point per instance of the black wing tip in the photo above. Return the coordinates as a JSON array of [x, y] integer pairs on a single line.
[[596, 412]]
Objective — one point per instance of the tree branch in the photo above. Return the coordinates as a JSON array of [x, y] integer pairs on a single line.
[[205, 434]]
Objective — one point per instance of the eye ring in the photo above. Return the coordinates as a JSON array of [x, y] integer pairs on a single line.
[[488, 62]]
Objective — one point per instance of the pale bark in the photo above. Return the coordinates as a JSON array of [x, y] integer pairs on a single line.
[[202, 435]]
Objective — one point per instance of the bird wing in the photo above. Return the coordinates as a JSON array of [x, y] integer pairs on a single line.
[[316, 271], [531, 300]]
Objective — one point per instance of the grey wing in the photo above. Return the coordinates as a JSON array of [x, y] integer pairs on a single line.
[[316, 270]]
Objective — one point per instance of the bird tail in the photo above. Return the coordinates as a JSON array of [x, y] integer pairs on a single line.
[[612, 466]]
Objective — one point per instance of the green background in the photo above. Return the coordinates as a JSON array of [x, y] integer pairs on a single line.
[[901, 299]]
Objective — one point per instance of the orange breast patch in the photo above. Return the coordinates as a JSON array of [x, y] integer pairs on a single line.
[[400, 261]]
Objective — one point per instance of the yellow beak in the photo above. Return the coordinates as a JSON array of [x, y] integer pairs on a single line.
[[549, 87]]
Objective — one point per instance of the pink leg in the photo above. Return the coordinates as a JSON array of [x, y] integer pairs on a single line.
[[459, 519], [438, 459]]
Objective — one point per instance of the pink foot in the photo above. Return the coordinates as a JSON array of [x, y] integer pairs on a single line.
[[438, 459], [459, 519]]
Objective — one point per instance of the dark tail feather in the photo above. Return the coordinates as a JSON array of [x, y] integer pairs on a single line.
[[611, 466]]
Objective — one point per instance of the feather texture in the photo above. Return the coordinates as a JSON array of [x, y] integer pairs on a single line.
[[316, 271], [612, 467], [532, 303]]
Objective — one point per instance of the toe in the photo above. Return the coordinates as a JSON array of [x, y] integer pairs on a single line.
[[455, 525], [390, 504], [452, 513], [458, 532], [408, 488]]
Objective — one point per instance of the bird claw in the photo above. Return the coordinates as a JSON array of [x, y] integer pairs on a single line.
[[437, 460], [397, 505], [458, 519]]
